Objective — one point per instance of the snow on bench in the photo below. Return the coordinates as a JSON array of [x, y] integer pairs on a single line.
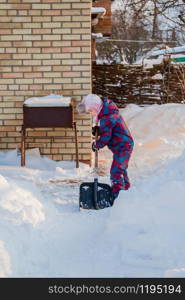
[[47, 101]]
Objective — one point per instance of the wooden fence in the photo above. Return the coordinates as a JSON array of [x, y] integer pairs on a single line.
[[132, 84]]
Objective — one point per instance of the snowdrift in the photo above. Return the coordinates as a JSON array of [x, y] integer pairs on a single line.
[[43, 234]]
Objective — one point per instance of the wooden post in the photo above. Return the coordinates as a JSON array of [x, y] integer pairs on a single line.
[[76, 145], [23, 134], [96, 152]]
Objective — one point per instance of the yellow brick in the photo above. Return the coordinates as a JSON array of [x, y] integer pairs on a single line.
[[52, 25], [2, 134], [6, 81], [61, 6], [86, 74], [67, 157], [34, 50], [24, 81], [86, 37], [5, 31], [35, 12], [6, 104], [31, 62], [50, 37], [21, 50], [7, 117], [42, 31], [81, 80], [51, 62], [42, 68], [79, 5], [11, 37], [32, 37], [72, 74], [51, 74], [41, 56], [86, 62], [86, 25], [22, 44], [56, 133], [61, 43], [21, 19], [71, 62], [71, 12], [62, 80], [32, 75], [42, 80], [72, 25], [5, 69], [14, 122], [61, 31], [52, 87], [14, 134], [61, 56], [61, 68], [57, 157], [41, 19], [71, 37], [42, 44], [40, 6], [31, 1], [21, 56], [68, 150], [37, 133], [61, 18], [32, 25], [81, 55], [3, 146], [51, 12], [81, 31], [21, 31], [22, 69], [81, 19], [81, 68], [6, 19], [7, 140], [71, 86]]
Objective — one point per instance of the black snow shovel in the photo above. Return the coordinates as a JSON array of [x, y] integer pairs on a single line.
[[95, 195]]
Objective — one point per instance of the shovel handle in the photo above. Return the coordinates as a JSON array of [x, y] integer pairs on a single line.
[[96, 152]]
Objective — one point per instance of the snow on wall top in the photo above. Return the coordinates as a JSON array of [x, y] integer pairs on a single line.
[[50, 100], [98, 10], [179, 49]]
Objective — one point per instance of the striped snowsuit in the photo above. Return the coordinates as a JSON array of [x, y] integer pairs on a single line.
[[115, 135]]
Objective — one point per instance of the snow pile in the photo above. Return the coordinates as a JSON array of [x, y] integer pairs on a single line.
[[158, 131], [50, 100], [21, 199], [43, 233], [5, 264]]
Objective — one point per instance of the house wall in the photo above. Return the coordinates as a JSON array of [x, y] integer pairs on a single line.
[[45, 47], [105, 24]]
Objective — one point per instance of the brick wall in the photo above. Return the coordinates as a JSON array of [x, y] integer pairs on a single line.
[[45, 47]]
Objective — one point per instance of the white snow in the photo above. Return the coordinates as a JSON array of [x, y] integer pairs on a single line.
[[43, 233], [49, 100], [98, 10], [158, 76], [180, 49]]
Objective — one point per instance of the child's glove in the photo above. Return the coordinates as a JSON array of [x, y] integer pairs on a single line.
[[94, 148], [96, 129]]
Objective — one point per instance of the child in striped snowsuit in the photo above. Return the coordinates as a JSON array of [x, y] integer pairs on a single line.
[[114, 134]]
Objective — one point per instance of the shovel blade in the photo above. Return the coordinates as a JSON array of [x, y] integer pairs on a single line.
[[89, 200]]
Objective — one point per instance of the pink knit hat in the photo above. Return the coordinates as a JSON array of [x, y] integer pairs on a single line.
[[89, 103]]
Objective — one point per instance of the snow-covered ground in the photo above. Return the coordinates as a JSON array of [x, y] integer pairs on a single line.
[[43, 233]]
